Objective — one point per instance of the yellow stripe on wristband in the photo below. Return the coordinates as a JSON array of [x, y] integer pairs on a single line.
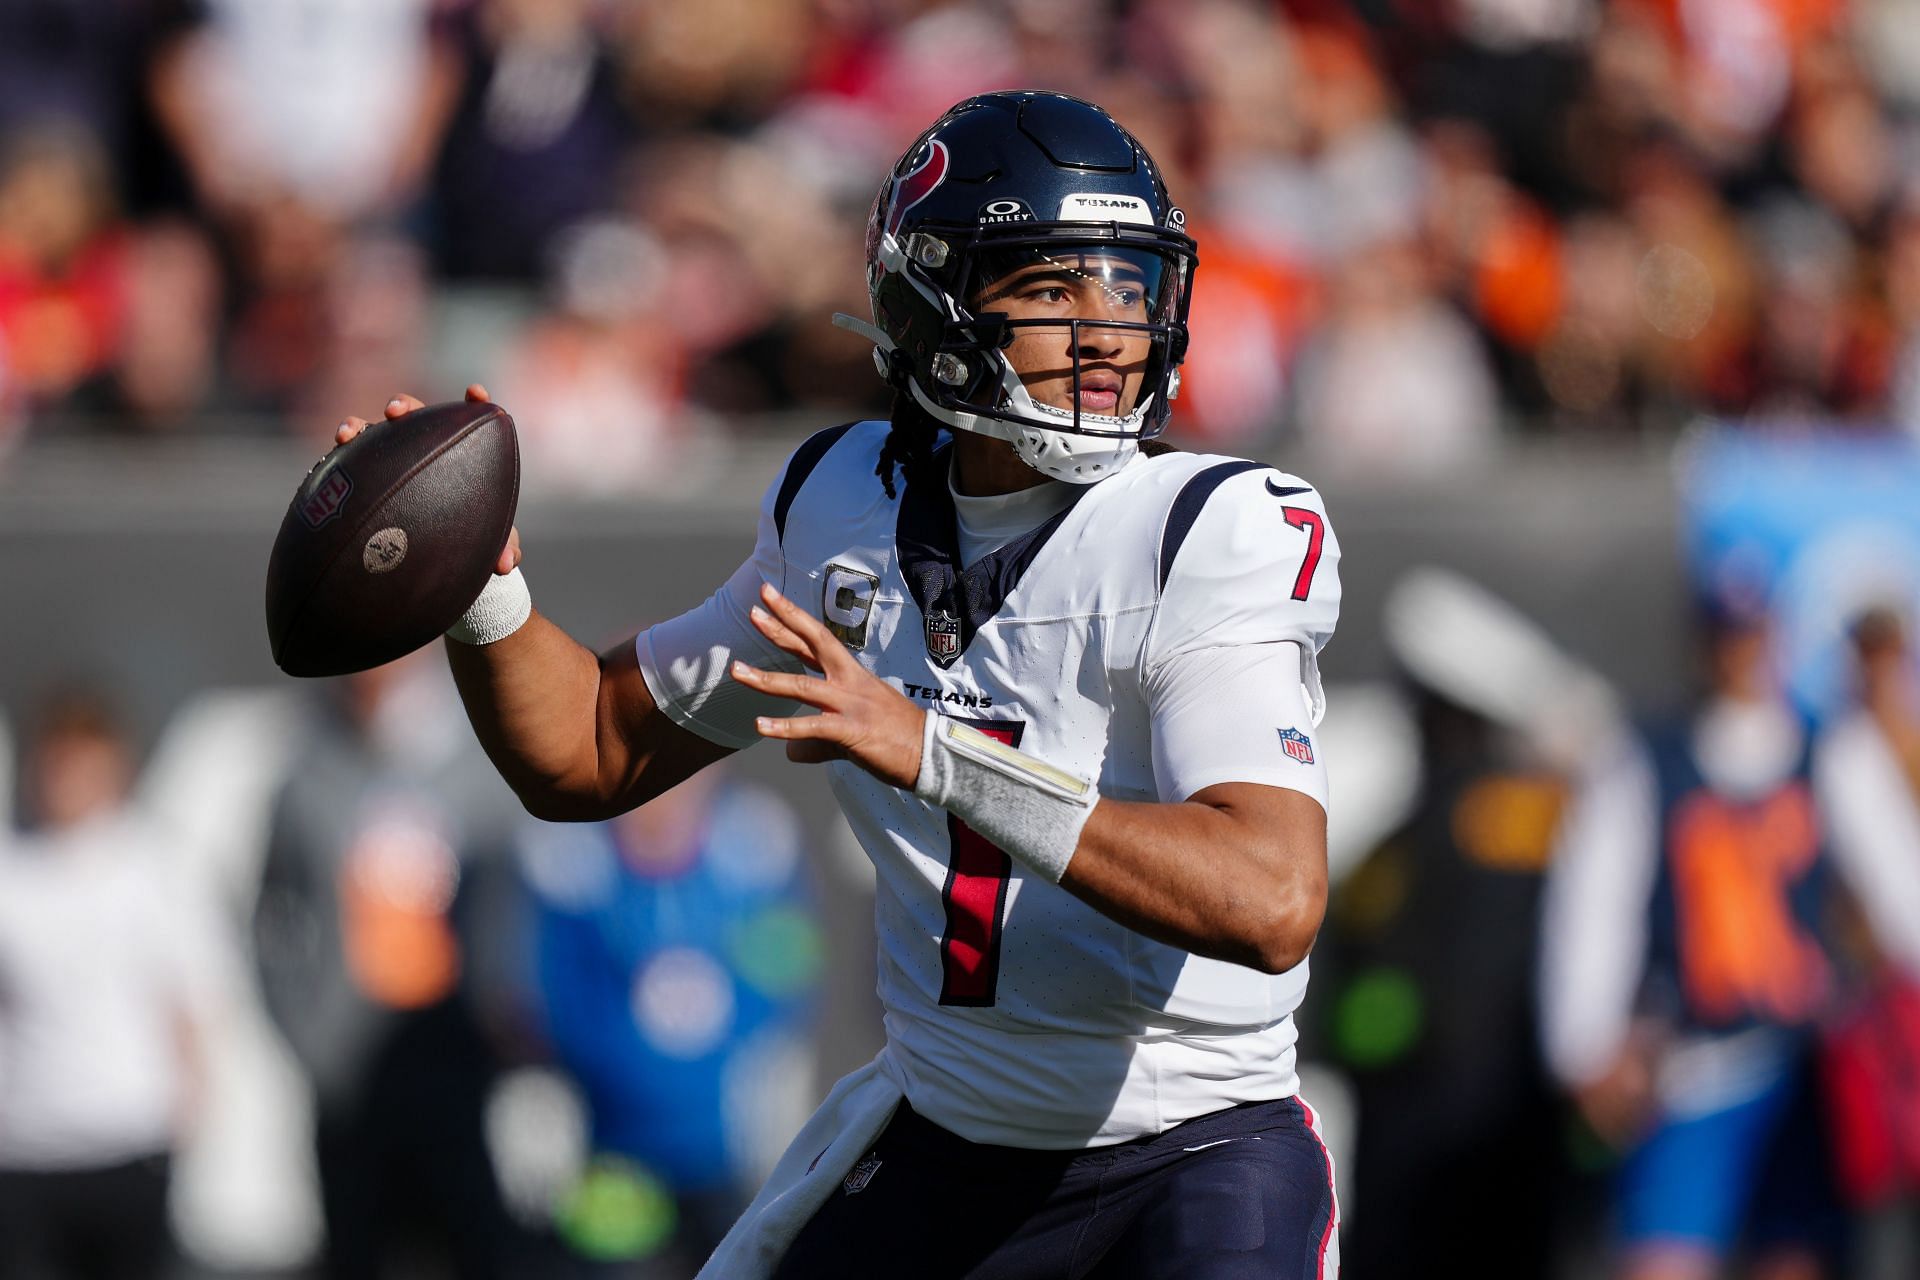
[[1025, 768]]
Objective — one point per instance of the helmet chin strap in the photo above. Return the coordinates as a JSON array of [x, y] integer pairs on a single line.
[[1059, 454]]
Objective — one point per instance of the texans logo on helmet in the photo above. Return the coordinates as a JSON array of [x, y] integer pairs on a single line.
[[917, 185], [1297, 744]]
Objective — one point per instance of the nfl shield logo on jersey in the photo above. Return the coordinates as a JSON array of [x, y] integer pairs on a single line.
[[943, 637], [1297, 744], [862, 1174]]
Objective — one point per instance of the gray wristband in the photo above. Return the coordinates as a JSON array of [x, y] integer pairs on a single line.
[[1023, 805], [503, 608]]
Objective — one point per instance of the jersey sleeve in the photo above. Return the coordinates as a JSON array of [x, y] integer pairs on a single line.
[[685, 659], [1247, 557], [1234, 714]]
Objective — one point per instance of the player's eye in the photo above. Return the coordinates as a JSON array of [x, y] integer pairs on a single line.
[[1054, 294]]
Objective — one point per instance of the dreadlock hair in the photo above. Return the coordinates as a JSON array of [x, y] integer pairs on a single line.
[[909, 444]]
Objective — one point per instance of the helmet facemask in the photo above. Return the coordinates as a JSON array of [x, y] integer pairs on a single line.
[[1117, 328]]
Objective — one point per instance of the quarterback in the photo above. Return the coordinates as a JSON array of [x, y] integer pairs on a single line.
[[1065, 683]]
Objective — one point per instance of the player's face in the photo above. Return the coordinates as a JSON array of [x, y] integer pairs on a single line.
[[1093, 287]]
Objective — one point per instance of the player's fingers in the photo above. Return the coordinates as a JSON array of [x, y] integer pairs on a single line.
[[348, 430], [780, 684], [814, 751], [510, 554], [826, 647], [825, 726], [477, 394], [783, 636], [403, 404]]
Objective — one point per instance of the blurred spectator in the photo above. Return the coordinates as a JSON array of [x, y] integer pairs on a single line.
[[337, 108], [595, 379], [289, 163], [716, 63], [1395, 382], [80, 64], [379, 843], [110, 971], [1820, 349], [165, 367], [63, 263], [1427, 951], [1428, 1003], [536, 143], [1868, 770], [1690, 952], [677, 957]]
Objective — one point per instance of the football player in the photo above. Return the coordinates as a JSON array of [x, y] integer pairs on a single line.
[[1065, 682]]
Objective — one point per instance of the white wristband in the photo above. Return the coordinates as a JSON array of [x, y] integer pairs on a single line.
[[1021, 804], [502, 609]]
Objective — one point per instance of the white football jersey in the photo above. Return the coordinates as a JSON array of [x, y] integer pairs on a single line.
[[1133, 638]]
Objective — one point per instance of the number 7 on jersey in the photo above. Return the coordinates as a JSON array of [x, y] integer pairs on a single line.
[[1316, 527]]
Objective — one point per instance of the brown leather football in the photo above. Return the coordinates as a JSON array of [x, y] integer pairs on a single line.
[[391, 537]]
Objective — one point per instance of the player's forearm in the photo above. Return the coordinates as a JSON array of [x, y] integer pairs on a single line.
[[1218, 879], [533, 698], [577, 736]]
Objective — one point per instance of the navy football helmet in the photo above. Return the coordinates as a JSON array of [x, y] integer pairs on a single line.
[[1007, 180]]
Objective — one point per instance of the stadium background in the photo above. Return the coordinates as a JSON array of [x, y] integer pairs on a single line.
[[1501, 276]]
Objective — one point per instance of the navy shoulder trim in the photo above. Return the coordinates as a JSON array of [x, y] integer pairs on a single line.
[[1187, 505], [799, 467]]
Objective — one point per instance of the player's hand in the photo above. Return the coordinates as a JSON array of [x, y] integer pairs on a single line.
[[1619, 1106], [862, 718], [403, 404]]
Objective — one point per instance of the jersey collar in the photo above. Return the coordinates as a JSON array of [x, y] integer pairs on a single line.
[[955, 602]]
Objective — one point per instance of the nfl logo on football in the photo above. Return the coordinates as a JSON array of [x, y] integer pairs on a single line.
[[1297, 744], [943, 637], [326, 500]]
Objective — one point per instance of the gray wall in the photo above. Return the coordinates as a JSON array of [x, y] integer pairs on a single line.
[[147, 567]]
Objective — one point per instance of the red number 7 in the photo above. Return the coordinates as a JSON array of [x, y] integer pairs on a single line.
[[975, 896], [1303, 518]]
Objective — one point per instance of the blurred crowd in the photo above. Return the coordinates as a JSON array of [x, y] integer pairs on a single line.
[[1424, 226]]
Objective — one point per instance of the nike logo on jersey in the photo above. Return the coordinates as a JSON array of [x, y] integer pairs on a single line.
[[1287, 492]]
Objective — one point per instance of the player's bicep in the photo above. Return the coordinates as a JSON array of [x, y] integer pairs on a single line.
[[1234, 714]]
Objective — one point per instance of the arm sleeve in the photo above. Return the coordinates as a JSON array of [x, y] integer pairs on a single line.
[[684, 660], [1256, 564], [1594, 921], [1234, 714]]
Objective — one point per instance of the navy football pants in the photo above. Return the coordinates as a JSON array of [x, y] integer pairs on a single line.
[[1238, 1194]]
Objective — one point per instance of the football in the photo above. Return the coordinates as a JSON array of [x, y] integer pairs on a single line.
[[391, 537]]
